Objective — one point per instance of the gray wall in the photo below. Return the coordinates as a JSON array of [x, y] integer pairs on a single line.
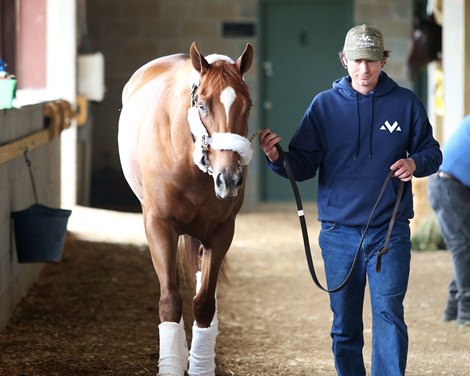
[[130, 33], [16, 194]]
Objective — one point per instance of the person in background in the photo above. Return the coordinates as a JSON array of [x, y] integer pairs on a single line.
[[354, 134], [449, 195]]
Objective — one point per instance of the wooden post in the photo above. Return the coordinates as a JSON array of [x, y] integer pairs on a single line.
[[456, 52]]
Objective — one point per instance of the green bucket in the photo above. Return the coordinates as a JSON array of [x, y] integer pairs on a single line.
[[7, 91]]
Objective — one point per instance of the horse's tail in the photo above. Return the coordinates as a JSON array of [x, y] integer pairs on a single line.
[[189, 259]]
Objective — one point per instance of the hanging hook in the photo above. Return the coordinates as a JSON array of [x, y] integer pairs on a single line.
[[29, 163]]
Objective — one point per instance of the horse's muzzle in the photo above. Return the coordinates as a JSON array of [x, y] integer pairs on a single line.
[[228, 184]]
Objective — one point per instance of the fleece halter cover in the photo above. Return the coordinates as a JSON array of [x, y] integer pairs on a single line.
[[218, 141]]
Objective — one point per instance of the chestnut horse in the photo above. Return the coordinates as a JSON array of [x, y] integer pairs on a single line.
[[425, 46], [184, 152]]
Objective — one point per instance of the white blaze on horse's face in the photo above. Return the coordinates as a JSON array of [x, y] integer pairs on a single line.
[[223, 120], [228, 149], [227, 97]]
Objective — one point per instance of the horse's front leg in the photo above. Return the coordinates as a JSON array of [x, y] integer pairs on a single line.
[[162, 240], [205, 326]]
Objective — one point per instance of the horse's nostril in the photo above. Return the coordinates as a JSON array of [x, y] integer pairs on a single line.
[[239, 181], [219, 180]]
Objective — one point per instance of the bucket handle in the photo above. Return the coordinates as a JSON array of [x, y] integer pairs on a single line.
[[28, 163]]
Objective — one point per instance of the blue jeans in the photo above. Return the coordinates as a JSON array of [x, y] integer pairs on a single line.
[[451, 203], [387, 291]]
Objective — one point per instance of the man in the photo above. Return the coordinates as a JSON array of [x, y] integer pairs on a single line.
[[449, 194], [354, 134]]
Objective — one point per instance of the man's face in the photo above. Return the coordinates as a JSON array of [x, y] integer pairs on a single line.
[[364, 74]]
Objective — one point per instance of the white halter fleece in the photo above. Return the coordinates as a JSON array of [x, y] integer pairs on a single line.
[[218, 141]]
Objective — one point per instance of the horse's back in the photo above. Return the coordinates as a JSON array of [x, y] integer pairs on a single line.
[[151, 71], [143, 102]]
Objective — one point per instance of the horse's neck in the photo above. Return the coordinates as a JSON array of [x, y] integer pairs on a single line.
[[173, 104]]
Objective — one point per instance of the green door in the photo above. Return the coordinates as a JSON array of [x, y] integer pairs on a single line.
[[299, 58]]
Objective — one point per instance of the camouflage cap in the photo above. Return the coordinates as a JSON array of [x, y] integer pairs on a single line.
[[364, 42]]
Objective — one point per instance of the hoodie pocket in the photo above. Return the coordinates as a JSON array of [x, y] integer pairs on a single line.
[[350, 200]]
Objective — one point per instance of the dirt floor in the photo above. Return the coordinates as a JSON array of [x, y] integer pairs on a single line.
[[95, 313]]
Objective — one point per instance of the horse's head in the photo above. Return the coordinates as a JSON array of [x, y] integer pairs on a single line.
[[425, 46], [218, 118]]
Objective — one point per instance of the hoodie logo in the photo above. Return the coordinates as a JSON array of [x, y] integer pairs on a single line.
[[391, 127]]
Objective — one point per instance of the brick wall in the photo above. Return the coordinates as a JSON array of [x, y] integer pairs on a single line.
[[16, 194], [394, 18], [130, 33]]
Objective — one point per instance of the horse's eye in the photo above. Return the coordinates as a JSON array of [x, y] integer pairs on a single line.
[[202, 107]]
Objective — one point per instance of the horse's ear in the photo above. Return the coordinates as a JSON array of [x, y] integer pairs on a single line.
[[199, 62], [244, 61]]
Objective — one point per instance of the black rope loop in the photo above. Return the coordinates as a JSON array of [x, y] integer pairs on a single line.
[[303, 226]]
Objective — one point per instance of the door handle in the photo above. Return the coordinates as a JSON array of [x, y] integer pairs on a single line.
[[268, 68], [268, 105]]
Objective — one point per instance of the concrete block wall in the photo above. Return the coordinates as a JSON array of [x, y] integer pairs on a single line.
[[394, 18], [131, 33], [16, 194]]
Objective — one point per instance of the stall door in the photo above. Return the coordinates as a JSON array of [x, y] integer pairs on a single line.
[[300, 45]]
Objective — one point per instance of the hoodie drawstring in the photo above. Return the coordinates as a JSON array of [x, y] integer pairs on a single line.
[[358, 143], [371, 102], [358, 127]]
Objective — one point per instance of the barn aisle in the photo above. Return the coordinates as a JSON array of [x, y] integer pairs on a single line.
[[95, 313]]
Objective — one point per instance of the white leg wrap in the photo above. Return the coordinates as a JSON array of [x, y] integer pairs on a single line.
[[173, 360], [202, 354]]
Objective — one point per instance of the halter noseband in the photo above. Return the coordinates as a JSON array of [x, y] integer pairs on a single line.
[[218, 141]]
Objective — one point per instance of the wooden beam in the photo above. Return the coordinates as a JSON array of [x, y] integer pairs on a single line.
[[16, 148], [59, 115], [456, 52]]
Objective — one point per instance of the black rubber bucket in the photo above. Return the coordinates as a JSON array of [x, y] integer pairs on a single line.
[[40, 233]]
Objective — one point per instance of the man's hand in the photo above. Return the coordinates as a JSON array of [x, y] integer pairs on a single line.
[[267, 142], [404, 169]]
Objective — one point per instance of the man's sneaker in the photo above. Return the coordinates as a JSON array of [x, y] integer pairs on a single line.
[[463, 318], [450, 312]]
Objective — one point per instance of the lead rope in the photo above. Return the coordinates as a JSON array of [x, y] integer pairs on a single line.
[[303, 224], [256, 134], [384, 249]]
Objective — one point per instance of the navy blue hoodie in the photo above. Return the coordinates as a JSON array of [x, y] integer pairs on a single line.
[[353, 139]]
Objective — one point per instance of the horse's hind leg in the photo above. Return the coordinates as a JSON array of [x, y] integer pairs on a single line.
[[173, 358]]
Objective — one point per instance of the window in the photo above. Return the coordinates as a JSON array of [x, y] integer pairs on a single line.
[[23, 41], [8, 24]]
